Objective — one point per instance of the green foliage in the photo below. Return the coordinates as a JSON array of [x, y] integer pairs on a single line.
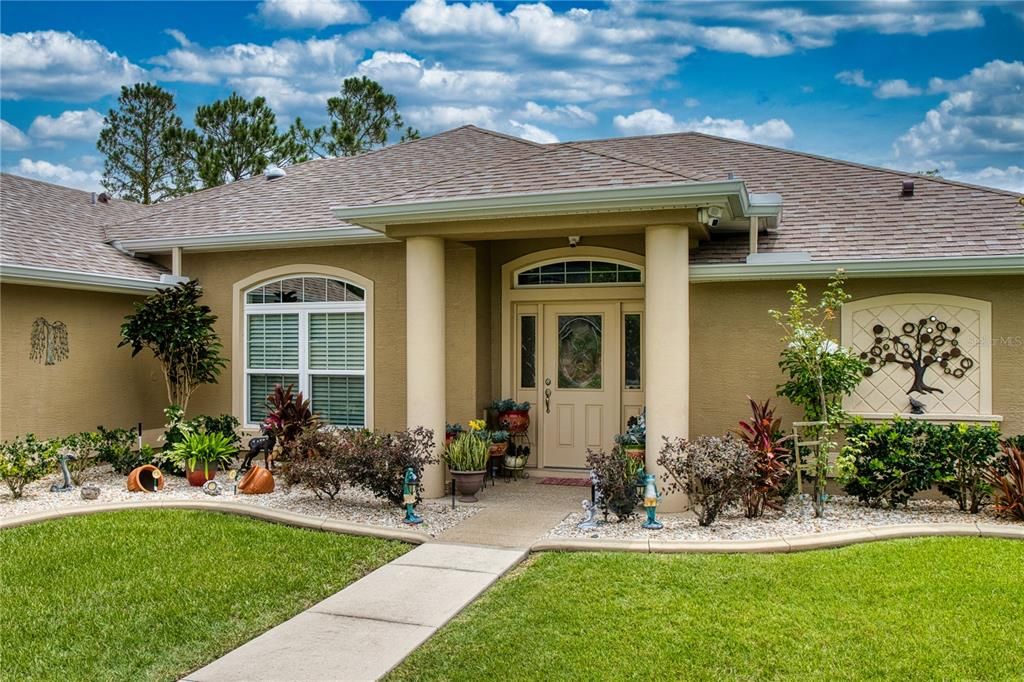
[[635, 433], [85, 450], [25, 460], [499, 436], [885, 464], [468, 452], [970, 452], [115, 447], [235, 138], [198, 450], [141, 162], [509, 405], [820, 372], [179, 331], [1007, 481], [713, 472], [176, 426], [616, 476]]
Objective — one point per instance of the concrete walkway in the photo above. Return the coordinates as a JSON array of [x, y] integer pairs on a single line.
[[369, 627]]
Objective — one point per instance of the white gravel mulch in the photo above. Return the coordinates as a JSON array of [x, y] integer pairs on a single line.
[[351, 505], [841, 513]]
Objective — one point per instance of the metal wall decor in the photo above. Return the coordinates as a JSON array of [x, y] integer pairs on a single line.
[[917, 347], [49, 341]]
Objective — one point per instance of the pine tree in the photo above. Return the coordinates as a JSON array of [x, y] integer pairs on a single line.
[[140, 165]]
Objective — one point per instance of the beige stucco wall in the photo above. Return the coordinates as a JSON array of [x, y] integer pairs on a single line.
[[384, 264], [98, 383]]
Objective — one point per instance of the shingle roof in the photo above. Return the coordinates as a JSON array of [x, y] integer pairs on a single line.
[[50, 226]]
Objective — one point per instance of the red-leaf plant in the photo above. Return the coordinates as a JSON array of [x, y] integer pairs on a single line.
[[1008, 488], [763, 435], [288, 416]]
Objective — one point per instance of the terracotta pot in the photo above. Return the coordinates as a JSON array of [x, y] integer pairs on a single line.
[[514, 421], [257, 481], [145, 479], [498, 449], [200, 475], [637, 452], [468, 484]]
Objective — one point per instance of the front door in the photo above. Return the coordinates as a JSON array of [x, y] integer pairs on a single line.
[[581, 384]]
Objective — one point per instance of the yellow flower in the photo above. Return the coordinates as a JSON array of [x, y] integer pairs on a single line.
[[477, 424]]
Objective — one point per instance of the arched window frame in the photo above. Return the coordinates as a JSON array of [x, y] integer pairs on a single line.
[[240, 346], [582, 257]]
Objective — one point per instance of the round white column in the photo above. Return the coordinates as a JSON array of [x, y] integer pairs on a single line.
[[425, 347], [667, 344]]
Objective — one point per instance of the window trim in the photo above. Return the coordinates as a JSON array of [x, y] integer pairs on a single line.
[[241, 310], [585, 285]]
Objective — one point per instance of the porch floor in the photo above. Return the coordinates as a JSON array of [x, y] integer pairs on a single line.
[[518, 513]]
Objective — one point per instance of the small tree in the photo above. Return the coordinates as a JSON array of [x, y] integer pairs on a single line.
[[821, 372], [179, 331]]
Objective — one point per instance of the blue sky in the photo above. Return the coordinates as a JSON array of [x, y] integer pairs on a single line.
[[903, 84]]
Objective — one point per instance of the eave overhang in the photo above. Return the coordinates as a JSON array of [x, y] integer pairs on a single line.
[[905, 267], [71, 279]]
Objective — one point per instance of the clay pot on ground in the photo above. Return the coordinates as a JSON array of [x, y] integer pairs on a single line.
[[468, 484], [256, 481], [515, 421], [201, 474], [145, 479]]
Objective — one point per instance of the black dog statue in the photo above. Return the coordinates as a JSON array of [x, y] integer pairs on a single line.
[[264, 444]]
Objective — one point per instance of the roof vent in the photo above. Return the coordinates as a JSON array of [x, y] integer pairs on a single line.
[[908, 188], [731, 175], [274, 172], [92, 198]]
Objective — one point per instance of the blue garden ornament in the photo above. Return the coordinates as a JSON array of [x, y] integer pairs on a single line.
[[409, 497], [651, 496]]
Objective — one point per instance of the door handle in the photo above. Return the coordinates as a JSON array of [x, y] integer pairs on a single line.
[[547, 401]]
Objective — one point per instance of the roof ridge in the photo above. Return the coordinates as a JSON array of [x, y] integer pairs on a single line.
[[504, 136], [635, 162], [86, 192]]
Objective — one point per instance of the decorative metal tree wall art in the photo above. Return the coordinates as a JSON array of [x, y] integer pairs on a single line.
[[49, 341], [919, 346]]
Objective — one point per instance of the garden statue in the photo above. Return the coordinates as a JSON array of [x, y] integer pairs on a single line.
[[589, 512], [264, 444], [90, 491], [66, 485], [651, 496], [596, 494], [409, 497]]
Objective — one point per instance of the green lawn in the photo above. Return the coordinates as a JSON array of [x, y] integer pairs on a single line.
[[154, 594], [934, 608]]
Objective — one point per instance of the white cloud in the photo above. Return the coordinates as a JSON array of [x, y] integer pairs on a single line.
[[569, 114], [70, 125], [653, 121], [402, 72], [311, 13], [528, 131], [11, 137], [60, 65], [442, 117], [691, 102], [745, 41], [1011, 177], [853, 78], [59, 174], [896, 88]]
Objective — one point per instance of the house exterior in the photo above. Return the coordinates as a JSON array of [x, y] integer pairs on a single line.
[[414, 284]]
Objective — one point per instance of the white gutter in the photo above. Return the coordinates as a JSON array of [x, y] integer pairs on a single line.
[[70, 279], [591, 200], [281, 238], [906, 267]]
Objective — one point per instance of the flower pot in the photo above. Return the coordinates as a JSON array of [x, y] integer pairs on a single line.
[[515, 462], [637, 452], [145, 479], [498, 449], [201, 474], [257, 481], [515, 421], [467, 484]]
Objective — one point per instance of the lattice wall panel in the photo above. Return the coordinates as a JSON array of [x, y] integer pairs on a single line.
[[885, 391]]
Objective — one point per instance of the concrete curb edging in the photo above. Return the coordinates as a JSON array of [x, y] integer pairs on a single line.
[[238, 509], [789, 543]]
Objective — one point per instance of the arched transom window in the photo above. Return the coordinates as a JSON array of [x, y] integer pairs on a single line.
[[579, 272], [309, 331]]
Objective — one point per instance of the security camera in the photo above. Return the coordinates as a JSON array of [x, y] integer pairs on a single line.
[[710, 216], [573, 242]]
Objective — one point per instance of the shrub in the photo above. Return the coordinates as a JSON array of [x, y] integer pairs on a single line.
[[1008, 487], [378, 460], [85, 450], [24, 460], [115, 447], [321, 460], [970, 451], [713, 472], [289, 417], [201, 450], [885, 464], [1015, 441], [616, 476], [763, 435]]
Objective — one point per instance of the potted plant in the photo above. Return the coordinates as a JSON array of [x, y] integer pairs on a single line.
[[200, 453], [634, 439], [516, 457], [466, 458], [499, 443], [451, 432], [512, 416]]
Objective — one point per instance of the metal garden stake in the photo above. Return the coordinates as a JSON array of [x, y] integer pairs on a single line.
[[409, 497], [651, 496]]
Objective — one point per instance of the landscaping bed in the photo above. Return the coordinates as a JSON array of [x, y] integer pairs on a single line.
[[917, 609], [842, 513], [351, 505], [154, 594]]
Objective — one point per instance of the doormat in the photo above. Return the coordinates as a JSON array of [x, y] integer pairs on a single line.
[[578, 482]]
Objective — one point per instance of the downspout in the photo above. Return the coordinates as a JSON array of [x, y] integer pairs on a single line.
[[117, 245], [753, 234], [176, 261]]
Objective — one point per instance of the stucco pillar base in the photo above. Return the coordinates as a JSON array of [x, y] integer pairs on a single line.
[[667, 346], [425, 348]]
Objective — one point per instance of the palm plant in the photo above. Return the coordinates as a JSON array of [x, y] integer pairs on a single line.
[[198, 449]]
